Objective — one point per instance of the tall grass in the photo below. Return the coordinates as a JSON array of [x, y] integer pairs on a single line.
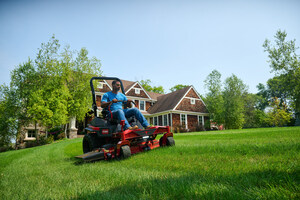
[[239, 164]]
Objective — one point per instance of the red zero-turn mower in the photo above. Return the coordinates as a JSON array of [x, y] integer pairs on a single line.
[[106, 138]]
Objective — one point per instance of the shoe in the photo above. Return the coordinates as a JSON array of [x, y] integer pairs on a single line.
[[149, 126], [133, 127]]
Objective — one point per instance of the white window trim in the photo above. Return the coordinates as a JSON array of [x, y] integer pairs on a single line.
[[164, 119], [193, 101], [185, 120], [29, 138], [137, 90], [100, 85], [202, 119], [144, 105]]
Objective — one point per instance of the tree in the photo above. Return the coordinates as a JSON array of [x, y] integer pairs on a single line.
[[55, 87], [177, 87], [233, 93], [254, 116], [214, 98], [8, 116], [285, 62], [158, 89], [278, 115], [264, 96], [146, 85]]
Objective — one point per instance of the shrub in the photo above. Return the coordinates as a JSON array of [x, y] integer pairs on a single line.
[[57, 133], [207, 125], [180, 129], [50, 139], [6, 148], [200, 128], [30, 144]]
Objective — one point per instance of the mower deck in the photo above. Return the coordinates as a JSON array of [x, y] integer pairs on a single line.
[[135, 140]]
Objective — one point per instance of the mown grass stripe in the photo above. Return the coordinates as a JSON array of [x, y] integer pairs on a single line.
[[232, 164]]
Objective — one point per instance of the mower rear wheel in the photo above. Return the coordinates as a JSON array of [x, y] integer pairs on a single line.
[[90, 142], [125, 152]]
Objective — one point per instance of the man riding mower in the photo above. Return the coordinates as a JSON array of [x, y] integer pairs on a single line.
[[120, 132]]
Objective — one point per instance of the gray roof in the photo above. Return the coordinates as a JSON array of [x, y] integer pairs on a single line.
[[168, 101]]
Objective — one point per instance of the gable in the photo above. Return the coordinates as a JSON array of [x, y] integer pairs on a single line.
[[102, 86], [186, 105], [137, 90], [192, 94], [191, 102]]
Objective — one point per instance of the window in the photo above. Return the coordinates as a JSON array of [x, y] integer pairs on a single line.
[[200, 120], [183, 119], [142, 105], [155, 121], [137, 90], [193, 101], [30, 133], [165, 120], [100, 85]]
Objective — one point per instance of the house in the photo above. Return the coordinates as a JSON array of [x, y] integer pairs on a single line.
[[182, 109]]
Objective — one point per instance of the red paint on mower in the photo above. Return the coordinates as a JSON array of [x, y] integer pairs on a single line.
[[106, 139]]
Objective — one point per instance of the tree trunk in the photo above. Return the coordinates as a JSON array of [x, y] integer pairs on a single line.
[[35, 132], [66, 126]]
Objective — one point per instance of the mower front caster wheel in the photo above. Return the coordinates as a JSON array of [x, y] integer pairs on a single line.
[[125, 152], [169, 141]]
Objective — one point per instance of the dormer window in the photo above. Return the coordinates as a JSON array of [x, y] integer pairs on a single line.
[[137, 90], [193, 101], [100, 85]]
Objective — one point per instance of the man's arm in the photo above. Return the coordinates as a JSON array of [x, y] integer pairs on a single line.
[[105, 104]]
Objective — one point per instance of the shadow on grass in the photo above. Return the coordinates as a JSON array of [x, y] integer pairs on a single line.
[[260, 184]]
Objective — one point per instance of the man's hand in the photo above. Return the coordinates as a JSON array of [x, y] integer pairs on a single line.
[[106, 104], [129, 103]]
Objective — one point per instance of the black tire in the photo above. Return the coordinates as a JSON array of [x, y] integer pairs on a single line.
[[125, 152], [91, 142], [169, 142]]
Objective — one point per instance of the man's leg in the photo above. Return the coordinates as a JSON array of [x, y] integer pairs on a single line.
[[119, 114], [135, 112]]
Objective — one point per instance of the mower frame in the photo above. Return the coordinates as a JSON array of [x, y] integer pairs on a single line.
[[112, 142]]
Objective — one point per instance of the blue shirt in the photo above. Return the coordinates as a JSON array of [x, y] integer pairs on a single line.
[[109, 96]]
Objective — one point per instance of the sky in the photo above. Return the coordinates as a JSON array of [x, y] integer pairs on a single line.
[[168, 42]]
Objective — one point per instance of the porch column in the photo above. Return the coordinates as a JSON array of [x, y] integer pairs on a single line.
[[72, 129]]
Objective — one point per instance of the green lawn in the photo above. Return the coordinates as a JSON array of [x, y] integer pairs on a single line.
[[233, 164]]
